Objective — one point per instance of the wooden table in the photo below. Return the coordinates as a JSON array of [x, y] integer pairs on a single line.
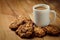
[[10, 9]]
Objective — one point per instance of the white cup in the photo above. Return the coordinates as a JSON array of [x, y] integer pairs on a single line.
[[41, 17]]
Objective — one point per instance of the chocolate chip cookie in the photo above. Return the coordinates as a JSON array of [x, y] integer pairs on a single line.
[[25, 30], [39, 32], [52, 30]]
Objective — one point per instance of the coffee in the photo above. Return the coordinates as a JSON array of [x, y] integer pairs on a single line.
[[40, 8]]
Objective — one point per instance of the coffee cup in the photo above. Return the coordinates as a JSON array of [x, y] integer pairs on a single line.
[[41, 14]]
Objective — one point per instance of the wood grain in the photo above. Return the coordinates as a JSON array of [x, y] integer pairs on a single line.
[[11, 9]]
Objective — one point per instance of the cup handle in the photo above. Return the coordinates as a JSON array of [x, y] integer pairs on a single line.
[[54, 12]]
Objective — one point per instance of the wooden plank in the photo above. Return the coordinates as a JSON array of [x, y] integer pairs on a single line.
[[51, 38], [5, 20], [5, 32], [13, 4]]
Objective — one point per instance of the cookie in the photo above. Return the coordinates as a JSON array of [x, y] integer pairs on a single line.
[[25, 30], [39, 32], [52, 30], [22, 20]]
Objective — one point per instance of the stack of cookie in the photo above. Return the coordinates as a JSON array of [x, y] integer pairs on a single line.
[[24, 27]]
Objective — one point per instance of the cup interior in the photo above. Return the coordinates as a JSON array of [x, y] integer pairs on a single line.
[[41, 5]]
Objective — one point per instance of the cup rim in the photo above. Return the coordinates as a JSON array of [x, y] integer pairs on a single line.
[[47, 7]]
